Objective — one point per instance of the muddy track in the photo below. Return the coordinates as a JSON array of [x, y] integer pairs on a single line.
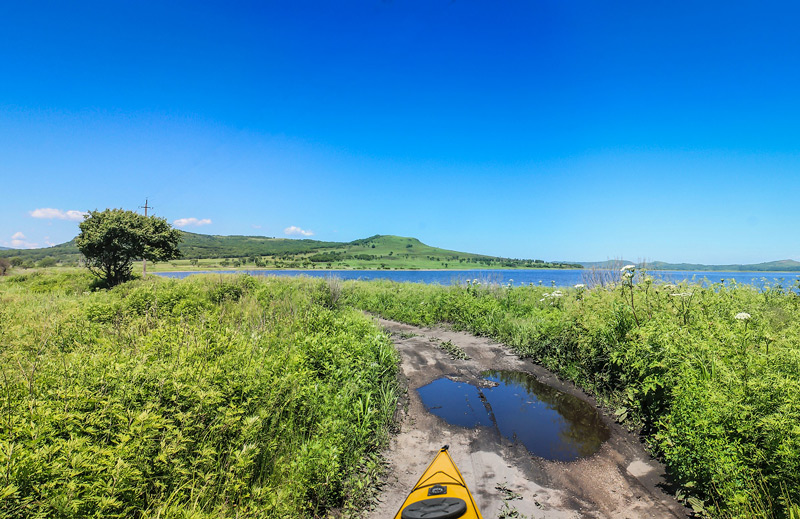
[[619, 481]]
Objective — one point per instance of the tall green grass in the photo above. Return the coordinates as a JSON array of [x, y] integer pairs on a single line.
[[209, 397], [716, 397]]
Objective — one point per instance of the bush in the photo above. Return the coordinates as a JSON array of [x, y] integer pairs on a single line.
[[259, 402]]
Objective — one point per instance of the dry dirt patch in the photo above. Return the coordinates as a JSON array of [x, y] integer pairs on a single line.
[[619, 481]]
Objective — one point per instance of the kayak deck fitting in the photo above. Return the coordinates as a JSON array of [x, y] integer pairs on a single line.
[[440, 493]]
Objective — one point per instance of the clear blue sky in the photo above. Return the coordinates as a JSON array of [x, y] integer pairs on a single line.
[[532, 129]]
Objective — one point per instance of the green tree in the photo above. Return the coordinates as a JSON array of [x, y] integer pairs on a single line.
[[4, 266], [113, 239], [48, 261]]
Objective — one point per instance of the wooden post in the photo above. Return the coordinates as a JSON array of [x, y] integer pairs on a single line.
[[144, 261]]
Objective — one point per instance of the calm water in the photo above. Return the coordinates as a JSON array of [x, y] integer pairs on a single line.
[[548, 422], [545, 277]]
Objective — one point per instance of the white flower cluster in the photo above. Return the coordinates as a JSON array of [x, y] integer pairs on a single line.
[[742, 316], [580, 286], [556, 294], [627, 271], [681, 294]]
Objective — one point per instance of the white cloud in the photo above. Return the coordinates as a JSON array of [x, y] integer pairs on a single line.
[[297, 231], [48, 213], [187, 222], [19, 241], [255, 226]]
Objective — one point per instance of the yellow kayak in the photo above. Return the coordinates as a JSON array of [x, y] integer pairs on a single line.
[[440, 493]]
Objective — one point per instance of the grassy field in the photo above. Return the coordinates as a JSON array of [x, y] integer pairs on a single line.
[[709, 376], [211, 397]]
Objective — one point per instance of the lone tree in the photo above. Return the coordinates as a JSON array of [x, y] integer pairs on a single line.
[[113, 239]]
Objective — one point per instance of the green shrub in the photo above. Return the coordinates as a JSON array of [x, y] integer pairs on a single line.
[[207, 397]]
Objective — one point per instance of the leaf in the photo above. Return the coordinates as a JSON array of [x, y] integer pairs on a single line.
[[8, 490], [698, 506]]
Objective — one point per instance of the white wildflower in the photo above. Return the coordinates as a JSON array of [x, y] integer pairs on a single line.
[[742, 316], [681, 294], [670, 285], [580, 286], [626, 268], [557, 293]]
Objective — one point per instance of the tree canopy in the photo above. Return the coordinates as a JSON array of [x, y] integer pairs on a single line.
[[113, 239]]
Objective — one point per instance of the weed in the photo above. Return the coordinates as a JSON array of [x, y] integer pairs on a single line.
[[455, 351]]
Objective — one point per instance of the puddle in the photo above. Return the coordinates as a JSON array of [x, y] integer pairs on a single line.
[[549, 422]]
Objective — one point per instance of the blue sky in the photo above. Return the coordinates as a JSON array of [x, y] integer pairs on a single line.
[[530, 129]]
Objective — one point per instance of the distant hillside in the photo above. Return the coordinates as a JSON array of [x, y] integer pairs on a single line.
[[209, 246], [787, 265], [380, 251]]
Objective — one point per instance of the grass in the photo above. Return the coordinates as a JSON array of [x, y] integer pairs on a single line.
[[716, 397], [220, 396]]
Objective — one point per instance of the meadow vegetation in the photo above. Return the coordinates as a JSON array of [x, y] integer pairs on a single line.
[[710, 376], [217, 396], [223, 396]]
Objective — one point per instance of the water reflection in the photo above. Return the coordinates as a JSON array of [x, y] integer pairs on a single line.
[[550, 423]]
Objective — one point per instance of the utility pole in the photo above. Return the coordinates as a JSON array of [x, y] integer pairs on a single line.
[[144, 261]]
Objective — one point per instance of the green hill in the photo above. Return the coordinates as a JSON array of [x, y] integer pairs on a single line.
[[375, 252]]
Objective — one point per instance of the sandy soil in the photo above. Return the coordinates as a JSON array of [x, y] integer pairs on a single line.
[[619, 481]]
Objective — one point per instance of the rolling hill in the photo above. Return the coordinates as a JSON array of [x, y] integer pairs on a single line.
[[380, 251]]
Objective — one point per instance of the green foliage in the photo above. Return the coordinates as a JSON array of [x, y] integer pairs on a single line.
[[112, 239], [455, 351], [216, 396], [48, 261], [710, 376]]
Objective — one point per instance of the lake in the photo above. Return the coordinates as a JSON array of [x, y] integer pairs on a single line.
[[545, 277]]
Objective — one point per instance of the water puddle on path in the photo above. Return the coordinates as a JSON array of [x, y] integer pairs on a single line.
[[549, 422]]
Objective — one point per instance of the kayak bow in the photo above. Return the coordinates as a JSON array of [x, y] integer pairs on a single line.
[[440, 493]]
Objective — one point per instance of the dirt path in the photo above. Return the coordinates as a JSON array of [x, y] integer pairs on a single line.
[[619, 481]]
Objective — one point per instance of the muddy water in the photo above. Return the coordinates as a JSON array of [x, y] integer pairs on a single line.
[[549, 423]]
